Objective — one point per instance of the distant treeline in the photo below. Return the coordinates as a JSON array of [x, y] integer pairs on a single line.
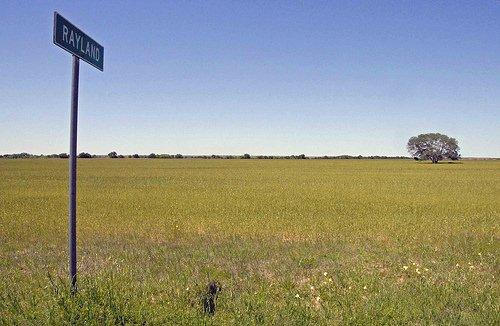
[[28, 155], [114, 155]]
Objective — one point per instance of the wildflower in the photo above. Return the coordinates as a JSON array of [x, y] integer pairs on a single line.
[[312, 288], [318, 298], [417, 271], [457, 265], [350, 287], [479, 254], [329, 280], [325, 273], [364, 287], [426, 269], [297, 296], [405, 267], [187, 289]]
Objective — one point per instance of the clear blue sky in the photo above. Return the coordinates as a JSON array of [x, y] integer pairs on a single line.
[[263, 77]]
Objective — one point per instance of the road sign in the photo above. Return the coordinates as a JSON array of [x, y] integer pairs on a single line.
[[76, 42], [72, 39]]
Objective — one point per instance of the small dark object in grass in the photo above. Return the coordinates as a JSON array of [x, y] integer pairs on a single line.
[[210, 298]]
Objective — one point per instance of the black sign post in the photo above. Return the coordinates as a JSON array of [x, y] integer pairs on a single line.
[[73, 40], [72, 172]]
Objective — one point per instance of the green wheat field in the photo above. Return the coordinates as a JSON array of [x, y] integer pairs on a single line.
[[292, 242]]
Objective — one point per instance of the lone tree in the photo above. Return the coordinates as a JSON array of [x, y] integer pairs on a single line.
[[434, 147], [113, 155]]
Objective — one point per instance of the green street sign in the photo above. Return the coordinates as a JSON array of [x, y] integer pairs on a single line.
[[72, 39]]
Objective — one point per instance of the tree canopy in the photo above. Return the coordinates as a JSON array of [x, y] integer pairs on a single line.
[[84, 155], [434, 147]]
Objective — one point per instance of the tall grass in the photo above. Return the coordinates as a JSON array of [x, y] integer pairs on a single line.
[[291, 242]]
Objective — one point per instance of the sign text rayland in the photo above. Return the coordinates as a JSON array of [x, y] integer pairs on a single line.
[[77, 41], [73, 40]]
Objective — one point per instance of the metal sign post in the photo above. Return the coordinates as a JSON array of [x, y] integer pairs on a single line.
[[73, 40], [72, 172]]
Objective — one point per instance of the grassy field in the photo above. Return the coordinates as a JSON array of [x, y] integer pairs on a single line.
[[293, 242]]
